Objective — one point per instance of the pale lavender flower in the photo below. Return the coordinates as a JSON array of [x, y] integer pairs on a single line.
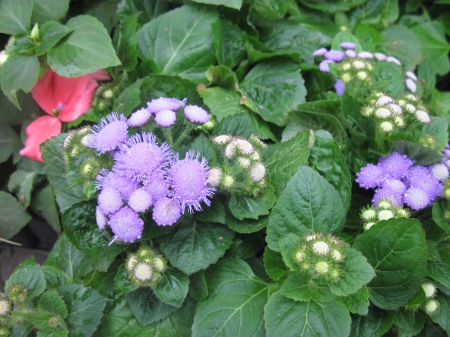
[[339, 86], [109, 200], [324, 67], [123, 184], [393, 59], [350, 53], [439, 171], [411, 85], [416, 198], [126, 225], [164, 103], [319, 52], [388, 195], [365, 55], [347, 45], [411, 75], [165, 118], [395, 165], [394, 185], [195, 114], [100, 218], [139, 118], [335, 55], [157, 186], [166, 212], [421, 177], [110, 132], [370, 176], [380, 56], [140, 200]]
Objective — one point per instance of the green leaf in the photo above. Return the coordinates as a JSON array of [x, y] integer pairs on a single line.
[[198, 289], [422, 155], [357, 303], [52, 303], [122, 281], [146, 307], [273, 88], [222, 103], [15, 16], [85, 307], [436, 47], [40, 321], [244, 124], [282, 160], [105, 12], [23, 45], [229, 43], [21, 183], [300, 287], [438, 129], [368, 37], [440, 270], [81, 229], [244, 206], [43, 204], [376, 323], [180, 41], [327, 159], [222, 76], [9, 141], [286, 317], [236, 4], [173, 287], [46, 10], [55, 277], [317, 207], [147, 9], [194, 245], [397, 250], [55, 170], [12, 216], [345, 37], [409, 322], [125, 42], [235, 302], [128, 99], [274, 265], [442, 317], [388, 78], [20, 72], [178, 323], [69, 259], [264, 12], [357, 272], [205, 147], [246, 226], [214, 213], [50, 34], [104, 282], [287, 245], [439, 216], [84, 51], [30, 275]]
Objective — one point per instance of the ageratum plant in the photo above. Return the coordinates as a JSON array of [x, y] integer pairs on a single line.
[[227, 168]]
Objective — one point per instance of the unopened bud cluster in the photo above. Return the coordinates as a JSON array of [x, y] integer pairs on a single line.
[[385, 210], [104, 96], [320, 256], [357, 70], [145, 267], [394, 115], [242, 169]]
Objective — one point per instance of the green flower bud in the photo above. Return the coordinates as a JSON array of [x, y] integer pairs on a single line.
[[159, 264], [429, 289], [53, 322], [108, 94], [431, 307], [131, 262], [368, 214], [346, 77], [227, 180], [4, 331], [35, 33], [321, 268]]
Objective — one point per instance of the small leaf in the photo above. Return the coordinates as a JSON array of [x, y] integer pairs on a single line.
[[221, 102], [55, 277], [43, 203], [128, 99], [30, 275], [357, 303], [229, 43], [198, 289], [173, 287], [46, 10], [122, 281], [246, 226], [300, 287], [442, 316], [21, 183], [50, 34], [376, 323], [15, 16], [12, 216], [125, 42], [243, 206], [274, 265], [20, 72], [440, 270], [10, 140], [52, 303], [236, 4]]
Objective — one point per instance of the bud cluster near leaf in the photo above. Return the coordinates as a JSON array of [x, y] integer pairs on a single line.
[[145, 267]]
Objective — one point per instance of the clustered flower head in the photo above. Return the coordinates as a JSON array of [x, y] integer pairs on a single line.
[[320, 256], [398, 182], [242, 169], [356, 67], [145, 267]]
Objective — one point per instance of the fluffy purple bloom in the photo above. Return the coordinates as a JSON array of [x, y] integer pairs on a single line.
[[165, 118], [164, 103], [189, 182], [350, 53], [365, 55], [139, 118], [123, 184], [195, 114], [110, 132], [166, 212], [396, 165], [109, 200], [394, 185], [324, 67], [157, 185], [339, 86], [126, 225], [141, 156], [421, 177], [416, 198], [319, 52], [100, 218], [347, 45], [379, 56], [140, 200], [439, 171], [387, 194], [370, 176], [335, 55]]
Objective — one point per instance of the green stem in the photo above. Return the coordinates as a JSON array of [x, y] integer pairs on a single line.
[[183, 135], [168, 135]]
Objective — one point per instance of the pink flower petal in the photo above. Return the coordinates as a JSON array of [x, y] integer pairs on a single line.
[[39, 131], [42, 92]]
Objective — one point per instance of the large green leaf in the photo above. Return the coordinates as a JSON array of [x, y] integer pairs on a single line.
[[85, 306], [9, 140], [440, 270], [50, 34], [128, 99], [235, 302], [357, 303], [388, 78], [422, 155], [236, 4], [274, 264], [442, 317], [397, 250], [86, 50], [194, 245], [222, 103], [46, 10], [15, 16], [286, 317], [55, 277], [180, 41], [376, 323], [52, 303], [43, 203], [317, 207], [273, 88], [282, 160], [20, 72], [173, 287], [21, 183], [244, 206], [229, 43], [300, 287], [125, 42], [12, 216], [30, 275], [147, 9], [244, 124], [438, 128]]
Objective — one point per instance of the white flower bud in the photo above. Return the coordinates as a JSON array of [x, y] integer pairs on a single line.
[[3, 57], [214, 176], [369, 214], [385, 215], [411, 98], [35, 32], [310, 238], [358, 64], [410, 108], [383, 100], [431, 307], [379, 56], [320, 248], [347, 77], [429, 289], [439, 171], [368, 225], [131, 262], [399, 121], [362, 75], [258, 172], [386, 126], [346, 66], [255, 156], [411, 85], [336, 255], [88, 140], [143, 272], [244, 162], [383, 113], [300, 256], [395, 108], [223, 139], [367, 111], [384, 204], [321, 267], [4, 307], [365, 55], [158, 263], [228, 181], [423, 116]]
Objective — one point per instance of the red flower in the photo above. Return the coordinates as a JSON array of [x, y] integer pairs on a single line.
[[64, 99]]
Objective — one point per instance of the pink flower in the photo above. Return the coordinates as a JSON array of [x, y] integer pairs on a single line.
[[64, 99]]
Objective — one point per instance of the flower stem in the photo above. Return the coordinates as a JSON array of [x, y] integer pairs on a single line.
[[183, 135], [168, 135]]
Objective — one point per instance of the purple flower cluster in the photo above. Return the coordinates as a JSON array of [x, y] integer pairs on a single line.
[[400, 182]]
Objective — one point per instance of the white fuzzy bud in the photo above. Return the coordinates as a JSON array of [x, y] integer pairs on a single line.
[[439, 171], [346, 66], [399, 121], [379, 56], [368, 225], [131, 262], [228, 181], [383, 100], [431, 307], [320, 248], [410, 108], [358, 64], [362, 75], [310, 238], [255, 156], [367, 111], [429, 289], [346, 77], [223, 139], [143, 272], [336, 255], [258, 172], [214, 176], [385, 215], [395, 108], [411, 75], [383, 113], [411, 85], [321, 267], [423, 116], [386, 126], [244, 162], [369, 214], [4, 307]]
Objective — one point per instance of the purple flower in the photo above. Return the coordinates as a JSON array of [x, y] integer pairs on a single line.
[[439, 171], [123, 184], [335, 55], [164, 103], [370, 176], [324, 67], [157, 186], [396, 165], [379, 56], [100, 218], [339, 86], [126, 225], [421, 177], [165, 118], [110, 132], [139, 118], [140, 200], [389, 195], [141, 156], [350, 53], [416, 198], [365, 55], [189, 179], [320, 52], [195, 114], [109, 200], [166, 212], [347, 45], [394, 185], [411, 85]]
